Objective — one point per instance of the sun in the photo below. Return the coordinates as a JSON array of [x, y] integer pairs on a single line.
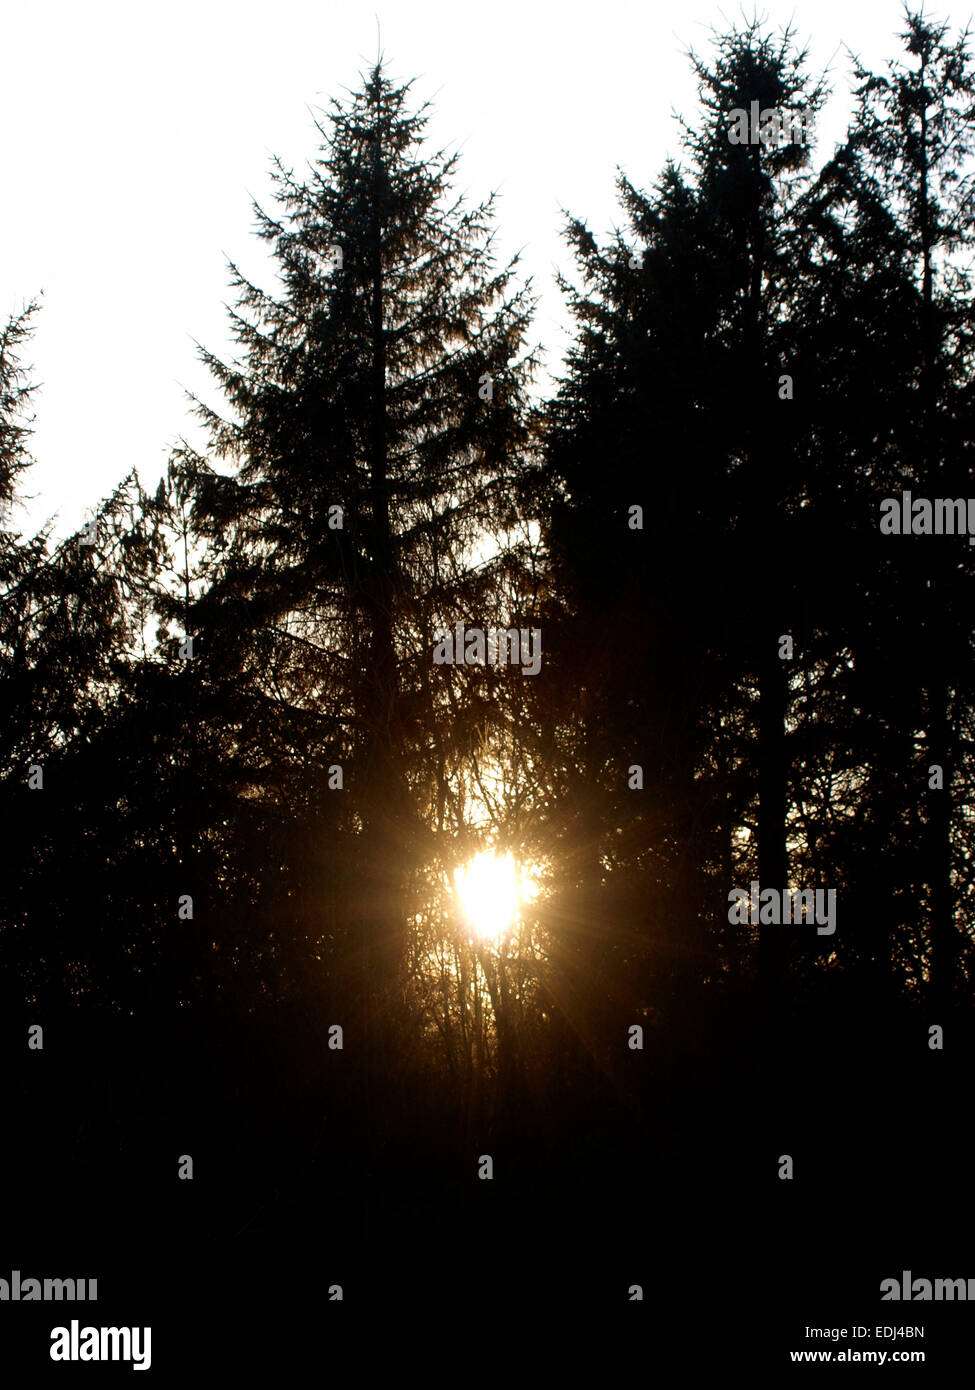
[[491, 890]]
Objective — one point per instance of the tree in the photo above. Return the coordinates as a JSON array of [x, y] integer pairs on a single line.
[[911, 140], [379, 429], [685, 329]]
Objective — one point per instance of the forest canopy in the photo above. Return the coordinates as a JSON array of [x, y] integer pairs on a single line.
[[241, 785]]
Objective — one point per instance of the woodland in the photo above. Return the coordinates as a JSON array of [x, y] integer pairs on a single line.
[[336, 919]]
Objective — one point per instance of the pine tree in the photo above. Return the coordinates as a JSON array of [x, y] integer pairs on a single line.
[[379, 431], [909, 149], [673, 401], [69, 634]]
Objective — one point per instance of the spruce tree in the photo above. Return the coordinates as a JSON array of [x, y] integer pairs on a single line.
[[379, 428], [911, 141], [674, 401]]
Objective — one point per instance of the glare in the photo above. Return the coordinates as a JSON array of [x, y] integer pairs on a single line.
[[490, 890]]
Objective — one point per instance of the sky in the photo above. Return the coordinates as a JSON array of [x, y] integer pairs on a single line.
[[136, 137]]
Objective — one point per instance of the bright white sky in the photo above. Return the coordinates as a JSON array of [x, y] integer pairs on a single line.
[[134, 137]]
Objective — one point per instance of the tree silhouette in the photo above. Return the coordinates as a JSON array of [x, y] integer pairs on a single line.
[[380, 425]]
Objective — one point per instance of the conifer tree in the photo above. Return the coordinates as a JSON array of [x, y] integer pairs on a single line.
[[69, 634], [379, 428], [685, 331], [910, 147]]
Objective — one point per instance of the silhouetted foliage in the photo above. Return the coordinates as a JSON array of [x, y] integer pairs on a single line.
[[258, 783]]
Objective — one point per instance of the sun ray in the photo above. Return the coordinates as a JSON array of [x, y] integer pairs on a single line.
[[489, 894]]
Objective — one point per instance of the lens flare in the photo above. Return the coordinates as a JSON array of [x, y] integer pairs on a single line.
[[488, 889]]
